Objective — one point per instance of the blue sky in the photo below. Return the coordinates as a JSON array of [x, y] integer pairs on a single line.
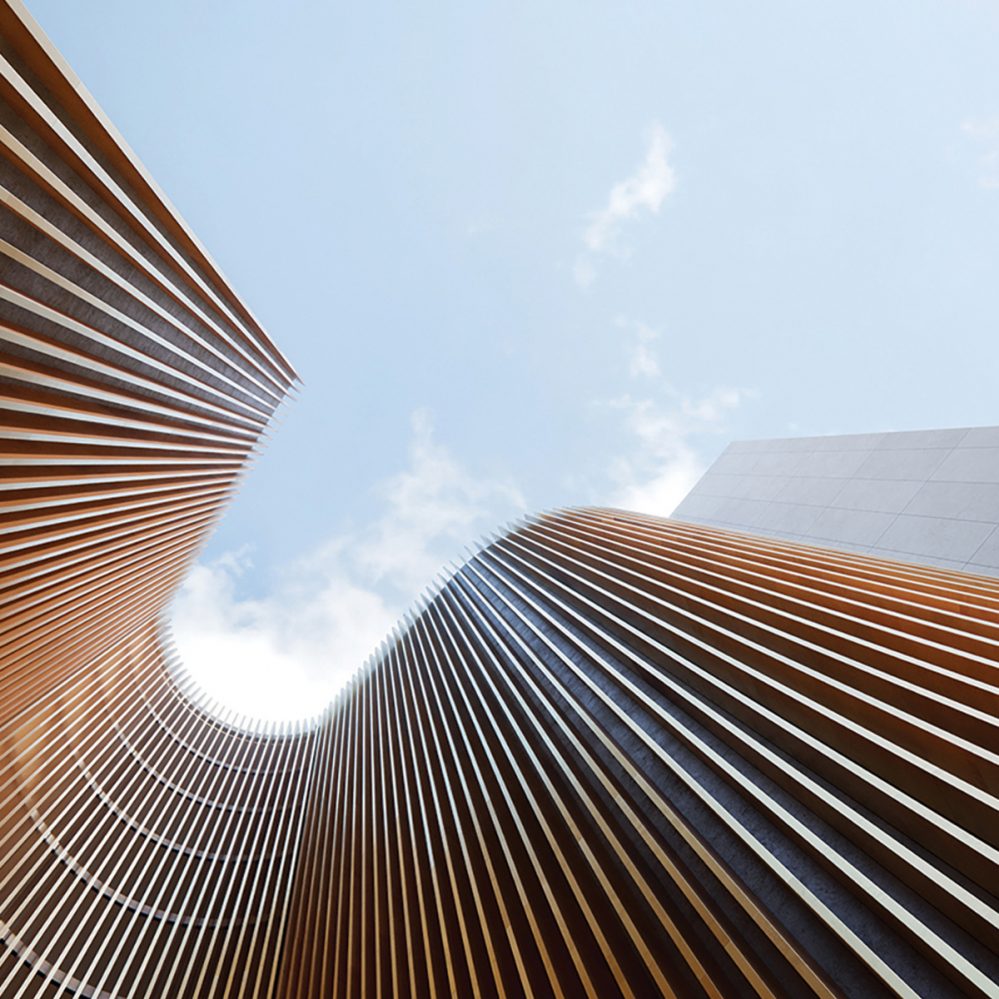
[[537, 254]]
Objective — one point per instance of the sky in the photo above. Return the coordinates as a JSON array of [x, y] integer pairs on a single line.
[[535, 254]]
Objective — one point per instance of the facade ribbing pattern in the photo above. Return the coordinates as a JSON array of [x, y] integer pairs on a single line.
[[608, 755], [145, 844], [615, 755]]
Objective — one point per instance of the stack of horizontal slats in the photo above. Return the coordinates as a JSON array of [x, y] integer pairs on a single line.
[[133, 384], [146, 840]]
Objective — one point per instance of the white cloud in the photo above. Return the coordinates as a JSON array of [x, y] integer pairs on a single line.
[[646, 189], [434, 506], [985, 131], [662, 464], [642, 193], [282, 656], [659, 463], [285, 655], [643, 362]]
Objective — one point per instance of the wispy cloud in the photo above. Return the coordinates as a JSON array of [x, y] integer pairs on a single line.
[[658, 461], [331, 609], [643, 360], [430, 510], [641, 193], [985, 132], [645, 190], [662, 463]]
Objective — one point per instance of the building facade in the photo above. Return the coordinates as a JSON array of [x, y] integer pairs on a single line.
[[608, 755], [929, 497]]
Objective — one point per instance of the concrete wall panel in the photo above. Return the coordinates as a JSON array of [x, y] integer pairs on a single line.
[[928, 496]]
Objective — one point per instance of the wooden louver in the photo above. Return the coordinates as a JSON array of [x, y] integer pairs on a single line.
[[609, 755]]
